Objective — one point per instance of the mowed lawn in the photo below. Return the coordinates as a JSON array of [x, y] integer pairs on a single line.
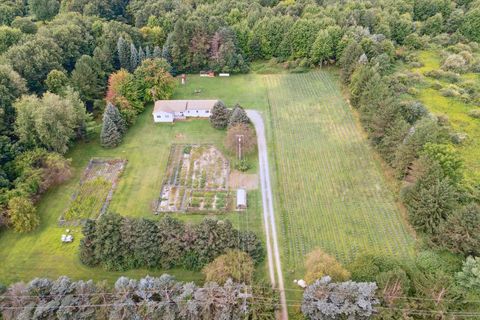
[[331, 192], [146, 147]]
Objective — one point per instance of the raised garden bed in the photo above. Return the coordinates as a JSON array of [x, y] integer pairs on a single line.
[[196, 180]]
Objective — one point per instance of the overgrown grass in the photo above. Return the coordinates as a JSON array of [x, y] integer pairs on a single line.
[[457, 112]]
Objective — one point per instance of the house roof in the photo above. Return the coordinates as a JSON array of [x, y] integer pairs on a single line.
[[182, 105]]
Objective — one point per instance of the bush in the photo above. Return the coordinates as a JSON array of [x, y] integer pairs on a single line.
[[455, 63], [319, 264], [474, 113], [366, 267], [234, 264], [242, 165], [469, 277]]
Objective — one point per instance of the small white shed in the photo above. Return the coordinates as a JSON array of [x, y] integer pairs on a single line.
[[241, 199]]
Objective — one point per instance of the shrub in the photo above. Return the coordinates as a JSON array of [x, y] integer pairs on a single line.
[[469, 277], [366, 267], [393, 284], [455, 63], [234, 264], [242, 165], [474, 113], [319, 264]]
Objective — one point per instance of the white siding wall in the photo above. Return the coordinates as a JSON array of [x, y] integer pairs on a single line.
[[198, 113], [162, 117]]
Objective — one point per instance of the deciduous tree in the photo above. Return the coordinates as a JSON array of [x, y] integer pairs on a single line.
[[23, 214], [246, 134], [319, 264], [234, 264]]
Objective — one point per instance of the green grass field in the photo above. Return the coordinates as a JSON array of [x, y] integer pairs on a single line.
[[146, 147], [457, 113], [331, 190]]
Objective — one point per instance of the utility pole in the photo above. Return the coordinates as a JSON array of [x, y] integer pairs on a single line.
[[239, 143]]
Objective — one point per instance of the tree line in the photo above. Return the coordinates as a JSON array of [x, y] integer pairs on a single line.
[[147, 298], [120, 243]]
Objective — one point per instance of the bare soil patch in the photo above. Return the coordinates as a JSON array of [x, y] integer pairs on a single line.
[[248, 181]]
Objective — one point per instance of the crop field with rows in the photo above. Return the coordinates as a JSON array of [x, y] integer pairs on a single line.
[[331, 191]]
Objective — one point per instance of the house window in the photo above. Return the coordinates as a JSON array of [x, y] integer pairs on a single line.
[[207, 111], [159, 117], [197, 111]]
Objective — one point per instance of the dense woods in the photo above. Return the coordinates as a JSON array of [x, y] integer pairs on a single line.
[[64, 63]]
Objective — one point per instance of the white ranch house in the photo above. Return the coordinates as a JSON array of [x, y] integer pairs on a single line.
[[170, 110]]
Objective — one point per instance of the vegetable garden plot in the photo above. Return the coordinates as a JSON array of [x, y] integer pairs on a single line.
[[95, 191], [331, 189], [196, 179]]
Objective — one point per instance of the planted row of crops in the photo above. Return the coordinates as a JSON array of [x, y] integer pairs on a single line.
[[95, 190], [196, 179], [331, 189]]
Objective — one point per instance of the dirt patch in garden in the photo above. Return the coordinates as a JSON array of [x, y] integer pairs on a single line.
[[247, 181], [196, 180]]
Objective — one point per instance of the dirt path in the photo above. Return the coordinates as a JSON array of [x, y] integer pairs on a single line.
[[268, 213]]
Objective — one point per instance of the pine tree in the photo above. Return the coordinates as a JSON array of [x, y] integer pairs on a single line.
[[109, 137], [238, 116], [157, 52], [141, 55], [148, 53], [123, 50], [134, 60], [117, 119], [220, 116]]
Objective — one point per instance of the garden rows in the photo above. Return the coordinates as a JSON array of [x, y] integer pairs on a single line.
[[95, 190], [334, 196], [196, 179]]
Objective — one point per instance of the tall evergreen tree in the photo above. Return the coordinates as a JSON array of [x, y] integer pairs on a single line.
[[134, 59], [220, 116], [112, 112], [238, 116], [109, 137], [141, 55], [148, 53], [157, 52], [123, 50]]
